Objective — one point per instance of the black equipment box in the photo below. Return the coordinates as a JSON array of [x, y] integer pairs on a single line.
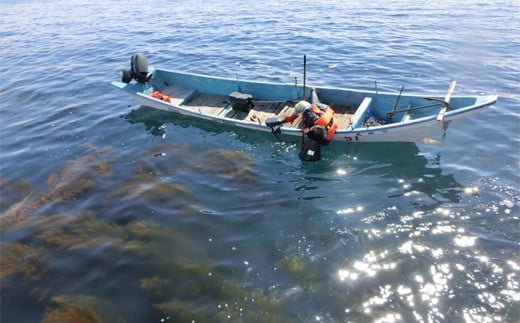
[[241, 101]]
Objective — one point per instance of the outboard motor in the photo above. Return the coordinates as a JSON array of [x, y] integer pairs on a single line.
[[138, 70]]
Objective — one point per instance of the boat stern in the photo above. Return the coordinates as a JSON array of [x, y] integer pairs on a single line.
[[131, 87]]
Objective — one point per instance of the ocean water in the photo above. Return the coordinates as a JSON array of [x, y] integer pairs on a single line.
[[113, 212]]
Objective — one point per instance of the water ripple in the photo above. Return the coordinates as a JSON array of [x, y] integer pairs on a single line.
[[130, 214]]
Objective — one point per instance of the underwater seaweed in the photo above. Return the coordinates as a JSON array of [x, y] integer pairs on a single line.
[[13, 190], [72, 314], [183, 311], [66, 184], [157, 287], [146, 239], [79, 175], [298, 268], [155, 161], [80, 309], [192, 285], [145, 231], [21, 259], [16, 214], [142, 239], [83, 232], [228, 164], [291, 264], [151, 189]]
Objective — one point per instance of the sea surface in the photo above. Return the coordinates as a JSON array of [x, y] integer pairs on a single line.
[[113, 212]]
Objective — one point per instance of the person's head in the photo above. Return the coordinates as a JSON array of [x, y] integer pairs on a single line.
[[300, 106], [317, 133]]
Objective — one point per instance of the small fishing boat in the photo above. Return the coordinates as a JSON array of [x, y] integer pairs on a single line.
[[363, 116]]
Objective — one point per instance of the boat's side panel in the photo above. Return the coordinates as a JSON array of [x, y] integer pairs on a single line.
[[398, 133]]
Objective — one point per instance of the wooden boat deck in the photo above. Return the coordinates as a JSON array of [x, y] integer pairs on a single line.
[[219, 105]]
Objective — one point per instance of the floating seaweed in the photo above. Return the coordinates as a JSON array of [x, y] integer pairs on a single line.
[[80, 309]]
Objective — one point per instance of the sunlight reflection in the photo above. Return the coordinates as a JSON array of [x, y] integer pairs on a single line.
[[480, 314], [491, 300], [414, 216], [472, 190], [464, 241], [384, 294], [409, 246], [443, 211], [359, 208], [514, 265], [389, 318], [443, 228], [460, 267], [513, 291], [428, 291], [369, 266], [345, 274]]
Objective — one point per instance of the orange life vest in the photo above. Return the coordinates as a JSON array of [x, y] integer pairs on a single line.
[[160, 96], [327, 120]]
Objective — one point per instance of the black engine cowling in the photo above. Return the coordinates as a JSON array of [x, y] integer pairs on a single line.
[[138, 70], [126, 76], [139, 66]]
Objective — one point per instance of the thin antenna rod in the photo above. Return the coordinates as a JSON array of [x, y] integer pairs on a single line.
[[304, 74]]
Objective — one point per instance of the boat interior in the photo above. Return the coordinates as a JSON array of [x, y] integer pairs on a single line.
[[222, 106]]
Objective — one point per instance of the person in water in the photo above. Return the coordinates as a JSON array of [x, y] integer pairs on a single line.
[[319, 120], [319, 124]]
